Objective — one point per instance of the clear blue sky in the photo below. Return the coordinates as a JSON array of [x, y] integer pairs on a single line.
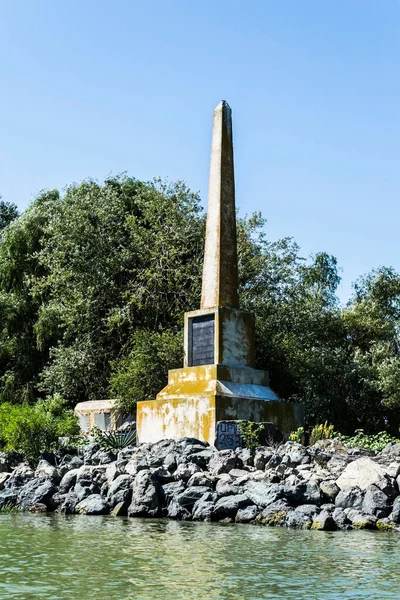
[[93, 87]]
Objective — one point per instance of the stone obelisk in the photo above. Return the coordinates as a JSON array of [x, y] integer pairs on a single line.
[[218, 381], [220, 275]]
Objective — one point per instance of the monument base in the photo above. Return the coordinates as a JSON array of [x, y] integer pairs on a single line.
[[196, 398]]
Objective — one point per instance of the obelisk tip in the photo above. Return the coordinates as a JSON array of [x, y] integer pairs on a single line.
[[222, 105]]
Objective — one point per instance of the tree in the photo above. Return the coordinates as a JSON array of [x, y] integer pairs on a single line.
[[8, 213]]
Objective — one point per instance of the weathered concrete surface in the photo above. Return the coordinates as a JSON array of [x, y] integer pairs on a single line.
[[220, 273]]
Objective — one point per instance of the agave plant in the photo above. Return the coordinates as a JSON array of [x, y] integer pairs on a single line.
[[115, 440]]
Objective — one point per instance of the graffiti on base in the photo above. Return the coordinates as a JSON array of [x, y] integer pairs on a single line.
[[228, 436]]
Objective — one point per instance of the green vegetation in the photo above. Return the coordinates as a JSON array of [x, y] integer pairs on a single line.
[[376, 442], [321, 432], [250, 433], [297, 436], [114, 440], [32, 429], [94, 283]]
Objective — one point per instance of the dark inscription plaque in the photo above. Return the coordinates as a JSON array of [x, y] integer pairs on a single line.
[[203, 340]]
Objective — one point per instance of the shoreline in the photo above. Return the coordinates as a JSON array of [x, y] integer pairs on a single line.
[[325, 487]]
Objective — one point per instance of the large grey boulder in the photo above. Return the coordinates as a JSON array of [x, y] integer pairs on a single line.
[[262, 457], [324, 521], [262, 494], [204, 507], [351, 497], [375, 502], [361, 473], [247, 514], [115, 469], [47, 471], [226, 487], [201, 478], [20, 476], [120, 490], [202, 457], [185, 471], [8, 497], [303, 493], [92, 505], [329, 489], [84, 488], [395, 516], [68, 481], [170, 490], [223, 461], [228, 506], [136, 464], [36, 491], [340, 518], [146, 492]]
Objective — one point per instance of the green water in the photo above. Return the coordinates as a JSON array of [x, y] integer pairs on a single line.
[[104, 558]]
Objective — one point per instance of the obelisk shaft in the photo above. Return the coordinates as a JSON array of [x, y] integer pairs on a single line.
[[220, 273]]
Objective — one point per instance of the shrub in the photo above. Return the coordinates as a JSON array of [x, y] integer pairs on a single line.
[[296, 436], [250, 433], [321, 432], [32, 429], [375, 443], [114, 440]]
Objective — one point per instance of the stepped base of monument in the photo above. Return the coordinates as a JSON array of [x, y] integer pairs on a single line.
[[196, 398]]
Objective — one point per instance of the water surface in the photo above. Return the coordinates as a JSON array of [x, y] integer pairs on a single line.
[[61, 557]]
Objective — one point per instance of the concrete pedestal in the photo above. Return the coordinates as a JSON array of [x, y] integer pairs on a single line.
[[196, 398]]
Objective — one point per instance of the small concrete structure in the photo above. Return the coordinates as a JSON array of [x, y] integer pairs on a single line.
[[102, 414], [218, 381]]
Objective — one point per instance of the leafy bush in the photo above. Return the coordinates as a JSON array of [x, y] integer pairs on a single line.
[[32, 429], [250, 433], [296, 436], [321, 432], [375, 443]]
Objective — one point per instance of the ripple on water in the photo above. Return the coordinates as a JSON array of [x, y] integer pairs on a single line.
[[103, 558]]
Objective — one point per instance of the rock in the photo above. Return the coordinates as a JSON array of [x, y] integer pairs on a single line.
[[385, 525], [3, 478], [189, 441], [392, 448], [275, 513], [359, 520], [329, 489], [92, 505], [36, 491], [89, 452], [324, 522], [395, 516], [104, 457], [120, 491], [204, 507], [375, 502], [69, 505], [308, 510], [351, 497], [223, 461], [387, 486], [201, 478], [136, 464], [170, 490], [185, 471], [8, 497], [170, 462], [247, 514], [303, 493], [146, 493], [162, 475], [296, 456], [296, 520], [190, 496], [83, 489], [274, 461], [245, 456], [263, 494], [361, 473], [262, 457], [68, 481], [115, 469], [58, 500], [20, 476], [340, 518], [202, 458], [228, 506], [226, 488]]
